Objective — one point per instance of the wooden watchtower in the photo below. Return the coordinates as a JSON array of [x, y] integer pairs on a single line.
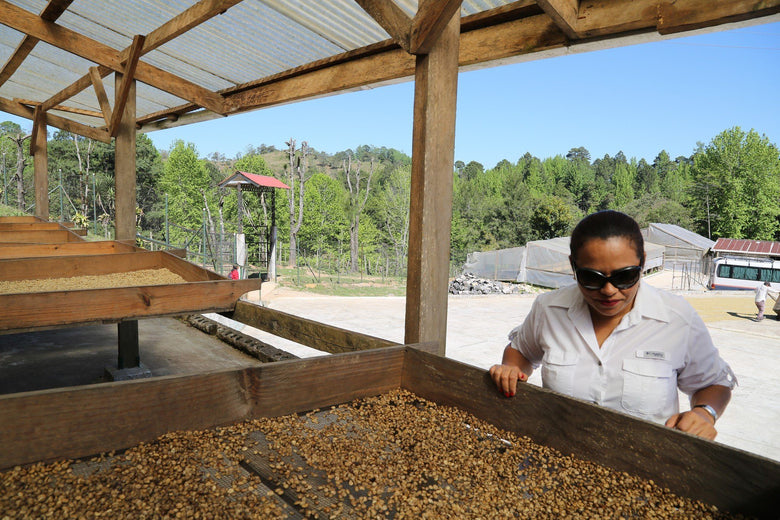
[[260, 184]]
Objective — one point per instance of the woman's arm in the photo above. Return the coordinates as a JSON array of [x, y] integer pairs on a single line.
[[697, 420], [513, 367]]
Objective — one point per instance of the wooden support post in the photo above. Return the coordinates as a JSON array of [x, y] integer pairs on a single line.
[[124, 187], [433, 144], [125, 167], [129, 353], [40, 165]]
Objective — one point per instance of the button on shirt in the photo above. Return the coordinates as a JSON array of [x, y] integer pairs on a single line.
[[659, 346]]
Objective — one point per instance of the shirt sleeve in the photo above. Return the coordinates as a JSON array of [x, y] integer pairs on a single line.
[[703, 365], [523, 338]]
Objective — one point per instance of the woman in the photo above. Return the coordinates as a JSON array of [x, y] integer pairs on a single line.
[[611, 340]]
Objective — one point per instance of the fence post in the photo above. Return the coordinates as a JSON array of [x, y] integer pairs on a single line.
[[203, 240]]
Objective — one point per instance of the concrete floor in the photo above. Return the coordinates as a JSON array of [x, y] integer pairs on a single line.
[[79, 355]]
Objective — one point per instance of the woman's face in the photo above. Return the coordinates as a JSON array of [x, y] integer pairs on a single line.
[[607, 256]]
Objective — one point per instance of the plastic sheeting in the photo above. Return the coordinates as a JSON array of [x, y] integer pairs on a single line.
[[681, 245], [541, 262]]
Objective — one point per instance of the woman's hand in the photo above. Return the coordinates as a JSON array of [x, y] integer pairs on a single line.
[[696, 421], [506, 378]]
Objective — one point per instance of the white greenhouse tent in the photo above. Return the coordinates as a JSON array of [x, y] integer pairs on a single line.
[[541, 262], [681, 245]]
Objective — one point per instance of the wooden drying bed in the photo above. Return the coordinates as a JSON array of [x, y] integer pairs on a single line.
[[82, 421], [31, 249]]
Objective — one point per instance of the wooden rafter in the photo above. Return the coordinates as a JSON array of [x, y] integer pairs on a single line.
[[18, 109], [431, 19], [127, 81], [50, 13], [391, 18], [564, 13], [100, 92], [104, 55], [61, 108]]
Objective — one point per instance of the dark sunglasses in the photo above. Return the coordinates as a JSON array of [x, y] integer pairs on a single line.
[[623, 278]]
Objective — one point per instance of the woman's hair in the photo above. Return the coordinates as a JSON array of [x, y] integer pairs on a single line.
[[607, 224]]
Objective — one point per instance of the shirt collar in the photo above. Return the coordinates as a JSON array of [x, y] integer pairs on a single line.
[[648, 303]]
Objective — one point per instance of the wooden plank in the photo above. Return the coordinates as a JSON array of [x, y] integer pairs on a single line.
[[714, 473], [306, 332], [430, 208], [20, 110], [301, 385], [188, 270], [674, 17], [564, 13], [124, 160], [178, 25], [51, 12], [100, 93], [69, 266], [23, 312], [90, 49], [83, 421], [35, 225], [391, 18], [39, 237], [19, 218], [84, 248], [431, 19], [126, 82], [39, 149]]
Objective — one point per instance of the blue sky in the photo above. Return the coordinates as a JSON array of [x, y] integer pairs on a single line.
[[639, 100]]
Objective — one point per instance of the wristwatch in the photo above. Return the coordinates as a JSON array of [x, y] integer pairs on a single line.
[[710, 410]]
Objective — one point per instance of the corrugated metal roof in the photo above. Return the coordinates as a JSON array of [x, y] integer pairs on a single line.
[[747, 247], [246, 178]]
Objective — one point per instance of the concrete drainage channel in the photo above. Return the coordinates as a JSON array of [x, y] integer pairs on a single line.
[[238, 340]]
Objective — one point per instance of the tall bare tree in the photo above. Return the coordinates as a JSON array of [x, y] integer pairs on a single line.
[[359, 186], [21, 162], [296, 174], [83, 173]]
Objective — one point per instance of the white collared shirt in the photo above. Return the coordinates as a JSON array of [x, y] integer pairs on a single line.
[[659, 346]]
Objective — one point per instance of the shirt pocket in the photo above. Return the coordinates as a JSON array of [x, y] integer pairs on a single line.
[[647, 385], [558, 369]]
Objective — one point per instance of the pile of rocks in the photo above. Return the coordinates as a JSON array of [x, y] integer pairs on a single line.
[[467, 283]]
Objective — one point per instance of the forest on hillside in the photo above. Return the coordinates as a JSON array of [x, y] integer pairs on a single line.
[[349, 210]]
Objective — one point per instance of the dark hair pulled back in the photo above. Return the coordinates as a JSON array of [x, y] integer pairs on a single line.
[[607, 224]]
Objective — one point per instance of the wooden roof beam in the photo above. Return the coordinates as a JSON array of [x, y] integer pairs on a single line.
[[127, 81], [18, 109], [62, 108], [94, 51], [192, 17], [50, 13], [100, 92], [391, 18], [429, 22], [564, 13]]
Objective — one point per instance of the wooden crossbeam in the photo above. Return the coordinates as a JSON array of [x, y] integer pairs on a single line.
[[90, 49], [50, 13], [431, 19], [391, 18], [127, 81], [564, 13]]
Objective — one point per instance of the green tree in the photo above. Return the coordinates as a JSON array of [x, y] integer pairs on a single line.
[[552, 217], [188, 186], [736, 186], [623, 185]]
